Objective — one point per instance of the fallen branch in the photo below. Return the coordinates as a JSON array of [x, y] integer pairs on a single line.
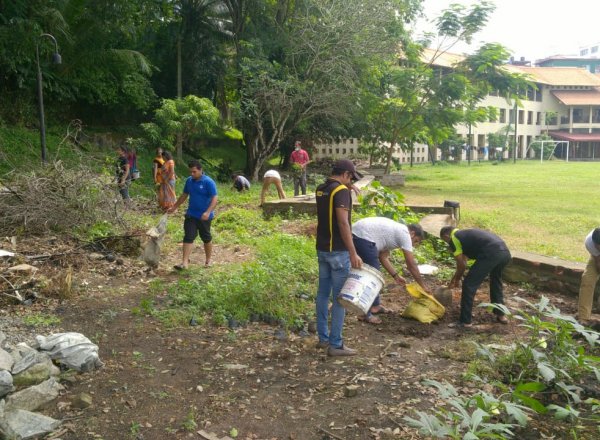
[[385, 351], [330, 434]]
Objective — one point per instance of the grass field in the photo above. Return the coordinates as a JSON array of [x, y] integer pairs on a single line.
[[544, 208]]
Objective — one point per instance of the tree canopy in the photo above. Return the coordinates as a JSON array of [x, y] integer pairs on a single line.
[[275, 69]]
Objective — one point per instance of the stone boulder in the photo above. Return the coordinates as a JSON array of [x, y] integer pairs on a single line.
[[6, 360], [24, 425], [35, 397], [6, 383], [33, 368]]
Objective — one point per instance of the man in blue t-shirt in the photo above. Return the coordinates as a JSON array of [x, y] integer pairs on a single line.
[[202, 192]]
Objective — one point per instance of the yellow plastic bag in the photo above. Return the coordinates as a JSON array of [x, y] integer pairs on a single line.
[[424, 308]]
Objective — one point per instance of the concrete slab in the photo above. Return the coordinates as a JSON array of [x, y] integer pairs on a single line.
[[432, 223]]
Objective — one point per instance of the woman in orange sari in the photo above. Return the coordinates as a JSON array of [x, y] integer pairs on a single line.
[[166, 192]]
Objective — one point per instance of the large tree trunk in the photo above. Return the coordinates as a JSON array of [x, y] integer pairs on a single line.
[[179, 142], [388, 164]]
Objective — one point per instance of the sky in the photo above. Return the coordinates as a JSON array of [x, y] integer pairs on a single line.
[[533, 29]]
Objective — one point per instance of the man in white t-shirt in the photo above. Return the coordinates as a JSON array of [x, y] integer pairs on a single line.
[[271, 177], [589, 277], [374, 238]]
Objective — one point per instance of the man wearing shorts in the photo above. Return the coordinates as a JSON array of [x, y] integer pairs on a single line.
[[202, 192]]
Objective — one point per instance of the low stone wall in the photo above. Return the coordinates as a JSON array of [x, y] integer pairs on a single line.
[[548, 273], [394, 179]]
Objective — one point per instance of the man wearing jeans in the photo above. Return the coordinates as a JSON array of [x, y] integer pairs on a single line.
[[202, 192], [589, 277], [374, 239], [335, 252], [491, 256]]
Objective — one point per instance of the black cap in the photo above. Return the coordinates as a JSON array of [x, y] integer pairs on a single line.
[[347, 165]]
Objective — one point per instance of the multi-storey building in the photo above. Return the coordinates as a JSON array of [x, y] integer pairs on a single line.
[[565, 104], [591, 63]]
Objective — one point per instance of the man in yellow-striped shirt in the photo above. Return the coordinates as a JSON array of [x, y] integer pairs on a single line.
[[335, 252]]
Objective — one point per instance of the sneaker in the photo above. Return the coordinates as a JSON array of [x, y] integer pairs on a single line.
[[341, 351], [322, 344]]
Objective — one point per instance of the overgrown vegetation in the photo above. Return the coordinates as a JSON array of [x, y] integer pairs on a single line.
[[275, 285], [57, 198], [553, 371]]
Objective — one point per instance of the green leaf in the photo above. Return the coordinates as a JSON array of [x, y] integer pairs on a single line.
[[530, 402], [516, 413], [531, 387], [547, 373], [563, 413]]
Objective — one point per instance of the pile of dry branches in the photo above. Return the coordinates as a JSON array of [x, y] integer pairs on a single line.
[[56, 198]]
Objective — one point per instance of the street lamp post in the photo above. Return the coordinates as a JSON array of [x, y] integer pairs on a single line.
[[56, 59]]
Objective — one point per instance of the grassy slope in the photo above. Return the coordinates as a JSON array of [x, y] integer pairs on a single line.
[[545, 208]]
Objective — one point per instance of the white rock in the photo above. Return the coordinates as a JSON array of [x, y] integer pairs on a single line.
[[6, 360]]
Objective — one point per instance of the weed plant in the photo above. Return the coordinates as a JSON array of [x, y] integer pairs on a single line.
[[553, 370], [278, 284]]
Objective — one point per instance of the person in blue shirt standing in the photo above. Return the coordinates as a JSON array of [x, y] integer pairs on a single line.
[[202, 192]]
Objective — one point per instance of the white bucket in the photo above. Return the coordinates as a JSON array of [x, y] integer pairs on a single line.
[[361, 289]]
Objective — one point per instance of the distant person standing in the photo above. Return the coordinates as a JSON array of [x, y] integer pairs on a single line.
[[166, 193], [157, 164], [299, 160], [491, 256], [271, 177], [335, 253], [589, 277], [202, 192], [240, 182], [123, 174], [134, 173]]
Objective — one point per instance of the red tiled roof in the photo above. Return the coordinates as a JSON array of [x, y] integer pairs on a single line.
[[578, 97], [575, 137]]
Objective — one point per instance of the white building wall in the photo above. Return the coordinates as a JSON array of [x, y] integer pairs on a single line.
[[532, 114]]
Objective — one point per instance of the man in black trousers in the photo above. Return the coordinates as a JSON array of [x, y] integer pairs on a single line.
[[491, 256]]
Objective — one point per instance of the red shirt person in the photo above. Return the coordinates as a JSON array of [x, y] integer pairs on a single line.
[[299, 160]]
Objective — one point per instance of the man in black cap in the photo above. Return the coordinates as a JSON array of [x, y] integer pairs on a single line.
[[491, 256], [335, 252]]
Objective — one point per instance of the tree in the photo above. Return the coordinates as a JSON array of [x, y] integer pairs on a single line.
[[424, 102], [310, 66], [102, 74], [190, 118]]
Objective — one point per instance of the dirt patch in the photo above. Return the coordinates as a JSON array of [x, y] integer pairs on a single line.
[[161, 383]]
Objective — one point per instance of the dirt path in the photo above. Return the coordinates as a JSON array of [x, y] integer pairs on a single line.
[[160, 383]]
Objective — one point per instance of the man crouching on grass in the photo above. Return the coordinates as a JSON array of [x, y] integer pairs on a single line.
[[202, 192]]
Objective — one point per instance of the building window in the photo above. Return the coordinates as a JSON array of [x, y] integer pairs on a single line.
[[530, 93], [502, 116], [351, 140], [583, 52], [330, 151], [337, 151], [594, 49], [538, 118], [343, 151], [529, 118]]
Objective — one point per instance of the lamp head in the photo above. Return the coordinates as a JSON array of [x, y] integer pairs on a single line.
[[56, 58]]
